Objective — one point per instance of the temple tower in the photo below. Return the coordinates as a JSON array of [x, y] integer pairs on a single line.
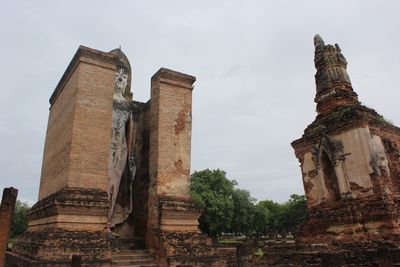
[[332, 81], [115, 173], [70, 217], [349, 160]]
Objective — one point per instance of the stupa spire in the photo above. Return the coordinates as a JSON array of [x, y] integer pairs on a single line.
[[332, 81], [318, 42]]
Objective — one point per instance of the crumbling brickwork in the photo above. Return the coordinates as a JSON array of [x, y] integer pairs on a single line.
[[132, 184], [57, 229], [6, 213], [349, 158], [70, 218], [350, 167], [365, 253], [172, 227], [78, 132], [349, 161]]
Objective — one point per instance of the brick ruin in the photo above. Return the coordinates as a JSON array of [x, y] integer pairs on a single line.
[[350, 164], [102, 196], [6, 213], [349, 160]]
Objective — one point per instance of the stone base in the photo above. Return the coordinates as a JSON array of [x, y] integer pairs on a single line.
[[16, 260], [55, 244], [71, 222], [345, 254], [193, 261], [71, 209], [195, 249], [178, 215], [383, 253], [352, 220], [179, 242]]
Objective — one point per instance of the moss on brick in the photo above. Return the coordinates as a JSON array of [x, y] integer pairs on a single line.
[[342, 116]]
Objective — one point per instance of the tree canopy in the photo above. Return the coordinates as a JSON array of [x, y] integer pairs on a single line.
[[213, 192], [19, 221], [228, 209]]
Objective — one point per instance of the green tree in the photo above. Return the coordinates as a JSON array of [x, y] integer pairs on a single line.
[[260, 219], [213, 192], [296, 212], [274, 218], [19, 220], [226, 208], [243, 212], [267, 217], [290, 215]]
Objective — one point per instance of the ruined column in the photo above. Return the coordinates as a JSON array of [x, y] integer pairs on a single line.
[[171, 126], [170, 144], [170, 209], [6, 214], [172, 226]]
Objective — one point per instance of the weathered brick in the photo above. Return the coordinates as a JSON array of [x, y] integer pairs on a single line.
[[6, 213], [71, 218]]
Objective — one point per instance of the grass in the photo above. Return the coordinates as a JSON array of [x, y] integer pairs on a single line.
[[10, 243]]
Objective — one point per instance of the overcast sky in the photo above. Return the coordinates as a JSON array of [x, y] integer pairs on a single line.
[[253, 61]]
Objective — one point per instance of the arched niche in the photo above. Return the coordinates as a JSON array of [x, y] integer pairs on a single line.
[[330, 179], [329, 159]]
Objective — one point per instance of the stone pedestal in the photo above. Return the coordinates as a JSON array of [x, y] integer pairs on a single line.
[[68, 223], [178, 215]]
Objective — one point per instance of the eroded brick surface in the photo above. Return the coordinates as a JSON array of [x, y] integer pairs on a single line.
[[350, 167], [6, 213], [72, 217]]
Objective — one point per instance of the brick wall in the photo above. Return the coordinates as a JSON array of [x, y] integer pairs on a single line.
[[170, 137], [78, 131], [73, 201], [6, 213]]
